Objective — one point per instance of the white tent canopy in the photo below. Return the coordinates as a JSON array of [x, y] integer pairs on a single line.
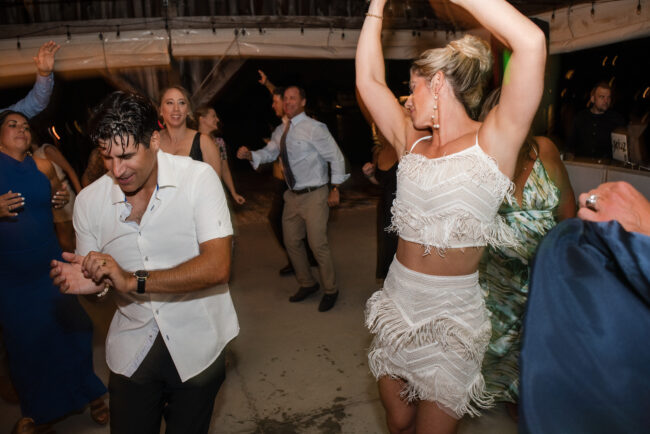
[[571, 29], [576, 28]]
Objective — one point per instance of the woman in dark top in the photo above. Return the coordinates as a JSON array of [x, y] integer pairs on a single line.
[[177, 138], [382, 171], [47, 334]]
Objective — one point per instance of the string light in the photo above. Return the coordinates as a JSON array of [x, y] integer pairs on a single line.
[[638, 8], [17, 42], [67, 33], [593, 10], [118, 31], [553, 15]]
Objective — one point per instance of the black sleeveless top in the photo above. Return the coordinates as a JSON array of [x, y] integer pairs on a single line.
[[195, 151]]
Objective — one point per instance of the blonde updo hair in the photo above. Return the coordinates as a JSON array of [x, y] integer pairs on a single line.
[[466, 64]]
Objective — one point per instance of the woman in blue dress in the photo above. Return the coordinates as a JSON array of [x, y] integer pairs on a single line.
[[48, 335]]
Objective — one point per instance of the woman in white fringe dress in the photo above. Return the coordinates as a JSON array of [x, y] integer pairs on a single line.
[[429, 321]]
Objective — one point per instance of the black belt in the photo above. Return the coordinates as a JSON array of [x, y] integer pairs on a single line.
[[306, 190]]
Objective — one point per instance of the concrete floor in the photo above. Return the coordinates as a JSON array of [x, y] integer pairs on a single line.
[[291, 369]]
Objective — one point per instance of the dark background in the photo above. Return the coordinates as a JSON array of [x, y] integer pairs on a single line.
[[244, 104]]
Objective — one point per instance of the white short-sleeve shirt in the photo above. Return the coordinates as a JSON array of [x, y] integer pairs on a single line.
[[187, 208]]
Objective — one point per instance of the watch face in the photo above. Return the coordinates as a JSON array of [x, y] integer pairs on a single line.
[[141, 274]]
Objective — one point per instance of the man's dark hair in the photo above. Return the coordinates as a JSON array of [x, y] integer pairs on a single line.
[[124, 115], [301, 91], [5, 113], [279, 91], [602, 85]]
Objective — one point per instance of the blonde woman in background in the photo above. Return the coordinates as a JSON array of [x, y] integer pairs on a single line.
[[430, 324], [179, 139], [208, 124]]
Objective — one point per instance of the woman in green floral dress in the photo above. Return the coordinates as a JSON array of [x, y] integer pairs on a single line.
[[542, 197]]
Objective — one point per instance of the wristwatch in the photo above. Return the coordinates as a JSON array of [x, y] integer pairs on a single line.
[[141, 276]]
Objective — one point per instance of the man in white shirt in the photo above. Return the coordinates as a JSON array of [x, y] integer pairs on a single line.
[[156, 229], [305, 147]]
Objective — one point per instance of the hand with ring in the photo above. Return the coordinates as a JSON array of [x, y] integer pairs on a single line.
[[103, 269], [616, 201], [590, 202], [9, 203]]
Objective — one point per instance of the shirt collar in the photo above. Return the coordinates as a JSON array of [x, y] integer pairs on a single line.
[[166, 177], [298, 118]]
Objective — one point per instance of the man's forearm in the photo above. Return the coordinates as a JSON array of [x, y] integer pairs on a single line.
[[200, 272]]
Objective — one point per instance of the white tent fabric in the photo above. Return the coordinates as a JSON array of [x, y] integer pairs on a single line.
[[87, 52], [575, 28], [292, 43], [571, 29]]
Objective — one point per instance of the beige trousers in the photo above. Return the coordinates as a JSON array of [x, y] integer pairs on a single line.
[[307, 214]]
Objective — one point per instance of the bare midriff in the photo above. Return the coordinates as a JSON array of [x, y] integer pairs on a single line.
[[454, 262]]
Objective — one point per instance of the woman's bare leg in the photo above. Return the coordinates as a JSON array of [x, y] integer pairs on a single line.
[[431, 419], [400, 415]]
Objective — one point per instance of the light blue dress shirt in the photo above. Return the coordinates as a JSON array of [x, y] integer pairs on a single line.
[[37, 99], [310, 147]]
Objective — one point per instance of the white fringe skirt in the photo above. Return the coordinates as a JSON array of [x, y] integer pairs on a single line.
[[432, 332]]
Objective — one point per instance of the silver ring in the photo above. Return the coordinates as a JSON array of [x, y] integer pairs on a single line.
[[591, 202]]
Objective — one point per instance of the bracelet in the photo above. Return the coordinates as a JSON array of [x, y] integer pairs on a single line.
[[368, 14], [104, 292]]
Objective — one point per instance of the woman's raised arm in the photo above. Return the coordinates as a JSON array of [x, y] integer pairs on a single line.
[[384, 108], [507, 125]]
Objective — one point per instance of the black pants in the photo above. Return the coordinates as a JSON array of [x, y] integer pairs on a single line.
[[155, 390]]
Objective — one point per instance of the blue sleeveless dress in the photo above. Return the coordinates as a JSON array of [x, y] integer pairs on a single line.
[[47, 334]]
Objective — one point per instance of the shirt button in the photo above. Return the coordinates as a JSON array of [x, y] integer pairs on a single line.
[[146, 258], [167, 336], [156, 311]]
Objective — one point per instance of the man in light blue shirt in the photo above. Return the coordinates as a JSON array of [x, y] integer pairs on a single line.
[[306, 149], [39, 97]]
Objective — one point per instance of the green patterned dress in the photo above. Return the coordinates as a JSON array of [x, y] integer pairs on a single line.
[[504, 276]]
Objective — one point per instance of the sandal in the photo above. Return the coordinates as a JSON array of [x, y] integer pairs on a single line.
[[26, 425], [99, 411]]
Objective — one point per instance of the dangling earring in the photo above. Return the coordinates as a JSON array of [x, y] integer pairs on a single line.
[[436, 113]]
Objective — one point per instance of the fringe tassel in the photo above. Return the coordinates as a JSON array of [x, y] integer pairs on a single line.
[[439, 230], [384, 319], [451, 398]]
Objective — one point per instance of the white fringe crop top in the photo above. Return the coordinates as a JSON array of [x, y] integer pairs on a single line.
[[451, 201]]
